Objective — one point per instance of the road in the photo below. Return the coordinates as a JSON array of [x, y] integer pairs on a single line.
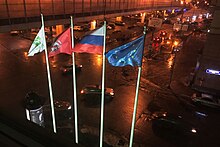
[[21, 74]]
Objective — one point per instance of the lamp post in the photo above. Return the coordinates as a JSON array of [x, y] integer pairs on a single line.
[[183, 2], [175, 44]]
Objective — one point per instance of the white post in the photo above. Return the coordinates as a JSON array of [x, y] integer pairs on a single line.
[[103, 88], [135, 107], [136, 96], [74, 85], [49, 81]]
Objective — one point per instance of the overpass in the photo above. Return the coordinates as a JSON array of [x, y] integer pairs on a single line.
[[25, 14]]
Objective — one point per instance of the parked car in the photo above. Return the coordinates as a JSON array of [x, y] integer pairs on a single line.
[[173, 127], [167, 21], [119, 23], [63, 110], [132, 26], [206, 100], [14, 33], [68, 69], [78, 28], [112, 25], [116, 31], [93, 93]]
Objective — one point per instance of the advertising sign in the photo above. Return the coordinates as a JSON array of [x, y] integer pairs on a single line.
[[155, 22]]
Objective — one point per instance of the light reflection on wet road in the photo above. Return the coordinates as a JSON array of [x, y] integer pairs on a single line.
[[29, 73], [21, 74]]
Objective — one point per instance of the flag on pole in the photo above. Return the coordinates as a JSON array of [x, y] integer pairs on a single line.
[[39, 43], [74, 85], [128, 54], [37, 46], [62, 44], [92, 43]]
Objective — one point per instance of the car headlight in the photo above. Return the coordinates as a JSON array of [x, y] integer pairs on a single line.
[[111, 93], [193, 130], [69, 107]]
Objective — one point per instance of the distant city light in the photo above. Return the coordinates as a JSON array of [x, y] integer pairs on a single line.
[[194, 18], [213, 72], [193, 130], [93, 25], [207, 15]]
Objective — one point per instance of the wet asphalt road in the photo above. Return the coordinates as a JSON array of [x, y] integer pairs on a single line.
[[20, 74]]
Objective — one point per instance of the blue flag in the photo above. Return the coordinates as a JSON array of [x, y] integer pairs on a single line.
[[127, 54]]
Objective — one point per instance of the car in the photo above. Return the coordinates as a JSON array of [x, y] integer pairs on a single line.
[[78, 28], [157, 40], [163, 34], [119, 23], [109, 28], [174, 127], [132, 26], [63, 110], [112, 25], [93, 92], [206, 100], [68, 69], [14, 33], [116, 31], [167, 21], [177, 48]]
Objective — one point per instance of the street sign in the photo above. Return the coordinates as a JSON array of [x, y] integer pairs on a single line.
[[155, 22]]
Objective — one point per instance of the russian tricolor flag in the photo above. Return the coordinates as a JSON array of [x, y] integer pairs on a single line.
[[92, 43]]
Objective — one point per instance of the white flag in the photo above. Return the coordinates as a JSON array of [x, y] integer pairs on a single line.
[[39, 43]]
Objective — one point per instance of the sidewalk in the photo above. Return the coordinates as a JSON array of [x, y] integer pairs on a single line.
[[185, 64]]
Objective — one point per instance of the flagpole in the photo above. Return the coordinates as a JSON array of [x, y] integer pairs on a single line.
[[136, 97], [103, 88], [49, 80], [74, 84]]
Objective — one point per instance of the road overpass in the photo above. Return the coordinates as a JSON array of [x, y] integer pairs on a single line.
[[25, 14]]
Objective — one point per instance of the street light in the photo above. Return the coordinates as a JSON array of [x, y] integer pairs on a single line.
[[175, 43]]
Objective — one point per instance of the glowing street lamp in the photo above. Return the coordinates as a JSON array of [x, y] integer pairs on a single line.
[[181, 2], [175, 43]]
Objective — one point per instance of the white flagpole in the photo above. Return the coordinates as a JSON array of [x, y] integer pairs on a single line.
[[74, 84], [103, 87], [135, 107], [136, 97], [49, 80]]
